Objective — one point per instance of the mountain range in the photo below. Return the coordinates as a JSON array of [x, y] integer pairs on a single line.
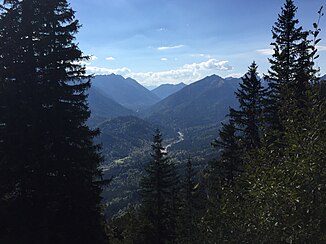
[[177, 107], [125, 91], [201, 103]]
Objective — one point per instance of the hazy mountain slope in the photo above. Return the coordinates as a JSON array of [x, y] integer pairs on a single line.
[[127, 92], [166, 90], [103, 106], [201, 103]]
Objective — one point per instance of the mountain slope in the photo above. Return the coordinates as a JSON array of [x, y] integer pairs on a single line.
[[127, 92], [166, 90], [103, 106], [201, 103], [120, 136]]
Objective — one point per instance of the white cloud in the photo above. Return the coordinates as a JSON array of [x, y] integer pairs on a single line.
[[110, 58], [234, 75], [106, 71], [164, 59], [201, 55], [265, 51], [321, 48], [187, 73], [169, 47], [211, 64]]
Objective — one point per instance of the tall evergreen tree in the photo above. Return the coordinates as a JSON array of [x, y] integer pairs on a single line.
[[284, 64], [230, 163], [249, 117], [47, 156], [159, 188], [224, 174], [189, 208]]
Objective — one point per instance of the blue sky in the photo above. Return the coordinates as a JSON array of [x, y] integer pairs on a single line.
[[172, 41]]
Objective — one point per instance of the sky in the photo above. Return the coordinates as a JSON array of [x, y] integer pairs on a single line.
[[173, 41]]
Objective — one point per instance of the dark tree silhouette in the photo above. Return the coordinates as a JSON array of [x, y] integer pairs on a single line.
[[159, 188], [50, 190], [249, 117]]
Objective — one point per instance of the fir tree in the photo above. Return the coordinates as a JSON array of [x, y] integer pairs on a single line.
[[281, 76], [224, 175], [189, 208], [249, 118], [230, 162], [159, 188], [47, 153]]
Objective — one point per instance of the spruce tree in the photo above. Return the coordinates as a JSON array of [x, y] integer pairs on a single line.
[[159, 187], [287, 37], [249, 117], [189, 208], [50, 191], [230, 163], [224, 175]]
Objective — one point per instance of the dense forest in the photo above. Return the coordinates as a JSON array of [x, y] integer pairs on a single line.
[[267, 183]]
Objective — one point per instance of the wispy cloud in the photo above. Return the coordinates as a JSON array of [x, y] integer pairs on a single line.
[[164, 59], [110, 58], [235, 75], [265, 51], [169, 47], [200, 55], [321, 48], [186, 73]]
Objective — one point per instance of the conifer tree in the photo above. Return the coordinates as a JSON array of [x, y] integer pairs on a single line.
[[281, 76], [224, 175], [230, 162], [189, 208], [249, 117], [47, 155], [159, 188]]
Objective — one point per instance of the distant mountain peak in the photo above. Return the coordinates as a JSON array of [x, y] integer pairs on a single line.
[[210, 81], [215, 76], [166, 90], [125, 91], [110, 75], [203, 102]]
